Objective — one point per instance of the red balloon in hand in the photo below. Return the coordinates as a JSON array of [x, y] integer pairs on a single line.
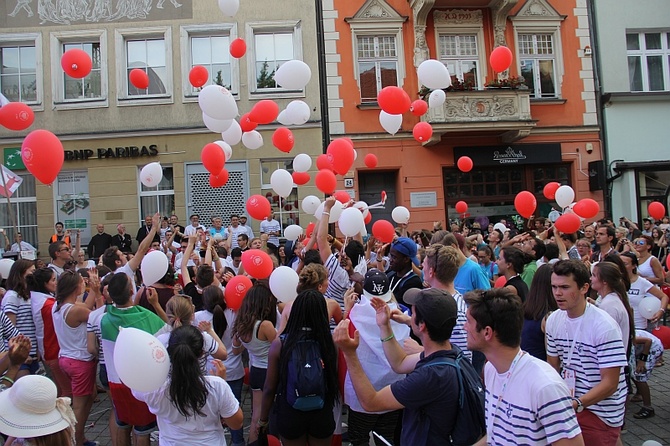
[[76, 63], [568, 223], [139, 78], [236, 289], [257, 263], [383, 231]]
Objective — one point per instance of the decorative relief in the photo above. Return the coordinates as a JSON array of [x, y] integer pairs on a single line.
[[459, 17], [493, 108], [536, 9], [421, 51], [375, 11]]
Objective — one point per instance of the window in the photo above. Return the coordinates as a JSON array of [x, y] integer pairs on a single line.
[[651, 186], [147, 50], [287, 210], [24, 203], [377, 59], [157, 199], [648, 61], [536, 52], [209, 46], [273, 44], [20, 68], [460, 53]]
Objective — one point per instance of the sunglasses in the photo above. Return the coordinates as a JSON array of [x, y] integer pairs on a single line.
[[640, 242]]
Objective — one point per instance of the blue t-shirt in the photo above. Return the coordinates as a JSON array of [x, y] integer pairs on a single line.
[[489, 270], [470, 277]]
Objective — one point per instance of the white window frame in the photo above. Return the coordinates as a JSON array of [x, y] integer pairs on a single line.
[[283, 26], [455, 30], [207, 30], [58, 39], [120, 37], [10, 40], [643, 53], [279, 163], [154, 192], [377, 59]]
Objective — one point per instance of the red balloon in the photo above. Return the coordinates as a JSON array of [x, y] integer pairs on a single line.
[[568, 223], [586, 208], [341, 155], [656, 210], [323, 163], [550, 189], [300, 178], [461, 207], [246, 124], [43, 155], [257, 263], [663, 333], [16, 116], [422, 131], [525, 203], [419, 107], [283, 139], [501, 59], [139, 78], [367, 219], [219, 180], [309, 230], [371, 160], [213, 158], [342, 196], [198, 76], [273, 441], [258, 207], [383, 231], [325, 181], [465, 164], [264, 112], [500, 282], [76, 63], [238, 47], [236, 289], [394, 100]]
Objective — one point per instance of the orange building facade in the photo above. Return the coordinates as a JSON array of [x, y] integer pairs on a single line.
[[519, 139]]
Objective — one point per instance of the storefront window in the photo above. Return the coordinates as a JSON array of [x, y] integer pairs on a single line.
[[158, 199], [287, 210], [651, 185], [24, 203]]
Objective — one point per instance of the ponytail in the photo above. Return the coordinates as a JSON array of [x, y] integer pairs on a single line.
[[188, 388]]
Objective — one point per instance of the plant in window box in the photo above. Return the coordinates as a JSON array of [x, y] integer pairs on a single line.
[[513, 83], [456, 85]]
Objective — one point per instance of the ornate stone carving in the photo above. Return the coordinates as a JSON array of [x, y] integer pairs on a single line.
[[421, 52], [536, 8], [459, 16], [375, 11], [478, 108], [500, 11]]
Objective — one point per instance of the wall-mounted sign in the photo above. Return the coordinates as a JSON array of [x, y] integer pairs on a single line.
[[423, 199], [516, 154], [111, 153], [348, 182]]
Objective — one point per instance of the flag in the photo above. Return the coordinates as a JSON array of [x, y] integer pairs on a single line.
[[10, 183], [12, 158]]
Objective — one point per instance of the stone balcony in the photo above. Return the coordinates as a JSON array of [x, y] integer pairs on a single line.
[[501, 112]]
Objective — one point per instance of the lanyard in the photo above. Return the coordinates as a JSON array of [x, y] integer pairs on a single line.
[[574, 340], [494, 410], [398, 282]]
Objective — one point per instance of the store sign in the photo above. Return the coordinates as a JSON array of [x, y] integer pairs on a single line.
[[112, 153], [511, 154]]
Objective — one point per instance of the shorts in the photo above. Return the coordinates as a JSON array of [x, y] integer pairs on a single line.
[[595, 431], [293, 424], [257, 378], [81, 375], [63, 383], [32, 368], [129, 411]]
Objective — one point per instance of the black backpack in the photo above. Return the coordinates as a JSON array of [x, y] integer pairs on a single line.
[[470, 423], [305, 378]]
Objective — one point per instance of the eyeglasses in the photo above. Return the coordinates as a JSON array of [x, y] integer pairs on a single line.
[[640, 242], [64, 249]]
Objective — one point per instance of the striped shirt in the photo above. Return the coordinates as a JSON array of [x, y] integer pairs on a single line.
[[14, 304], [93, 326], [459, 336], [271, 226], [535, 408], [338, 280], [7, 331], [597, 345]]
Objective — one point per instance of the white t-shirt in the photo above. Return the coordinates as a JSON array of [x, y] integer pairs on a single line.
[[191, 230], [210, 346], [234, 365], [128, 271], [639, 290], [235, 232], [614, 307], [271, 226], [598, 344], [175, 429], [535, 408]]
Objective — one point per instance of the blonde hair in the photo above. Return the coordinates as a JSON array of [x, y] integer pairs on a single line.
[[179, 310], [312, 276]]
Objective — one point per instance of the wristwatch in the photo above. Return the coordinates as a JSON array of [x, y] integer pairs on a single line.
[[580, 406]]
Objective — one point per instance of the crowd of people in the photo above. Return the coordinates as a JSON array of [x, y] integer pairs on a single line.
[[547, 331]]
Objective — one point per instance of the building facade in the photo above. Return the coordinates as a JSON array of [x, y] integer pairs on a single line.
[[110, 129], [519, 139]]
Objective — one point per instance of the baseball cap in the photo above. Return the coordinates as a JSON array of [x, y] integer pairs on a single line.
[[407, 247], [376, 284], [436, 306]]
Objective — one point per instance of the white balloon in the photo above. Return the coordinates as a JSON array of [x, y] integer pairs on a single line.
[[233, 135], [284, 118], [649, 306], [216, 125], [500, 227], [141, 360], [281, 182], [293, 75], [252, 140], [355, 154], [302, 162], [351, 222], [363, 207], [283, 283], [390, 123], [436, 98], [298, 112], [151, 174], [154, 266], [434, 74], [310, 204], [553, 215], [651, 443], [400, 215], [6, 265], [229, 7], [227, 150], [292, 232], [564, 196], [335, 212], [217, 102]]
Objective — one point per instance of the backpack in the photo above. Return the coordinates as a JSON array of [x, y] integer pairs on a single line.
[[305, 378], [470, 423]]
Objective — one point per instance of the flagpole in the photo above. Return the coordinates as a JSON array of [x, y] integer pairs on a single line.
[[9, 205]]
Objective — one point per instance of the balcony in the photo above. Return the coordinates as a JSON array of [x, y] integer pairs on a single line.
[[500, 112]]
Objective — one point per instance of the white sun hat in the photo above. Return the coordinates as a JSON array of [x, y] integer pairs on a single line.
[[30, 408]]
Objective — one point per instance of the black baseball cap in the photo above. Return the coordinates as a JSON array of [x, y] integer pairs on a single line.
[[436, 306], [376, 285]]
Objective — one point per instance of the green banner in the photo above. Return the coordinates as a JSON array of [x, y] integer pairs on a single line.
[[79, 223], [12, 159]]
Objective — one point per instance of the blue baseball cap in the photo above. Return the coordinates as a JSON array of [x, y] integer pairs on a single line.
[[407, 247]]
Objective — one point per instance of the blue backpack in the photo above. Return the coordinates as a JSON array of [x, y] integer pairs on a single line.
[[305, 378]]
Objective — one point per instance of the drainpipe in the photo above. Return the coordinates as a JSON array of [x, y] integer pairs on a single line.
[[323, 78]]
